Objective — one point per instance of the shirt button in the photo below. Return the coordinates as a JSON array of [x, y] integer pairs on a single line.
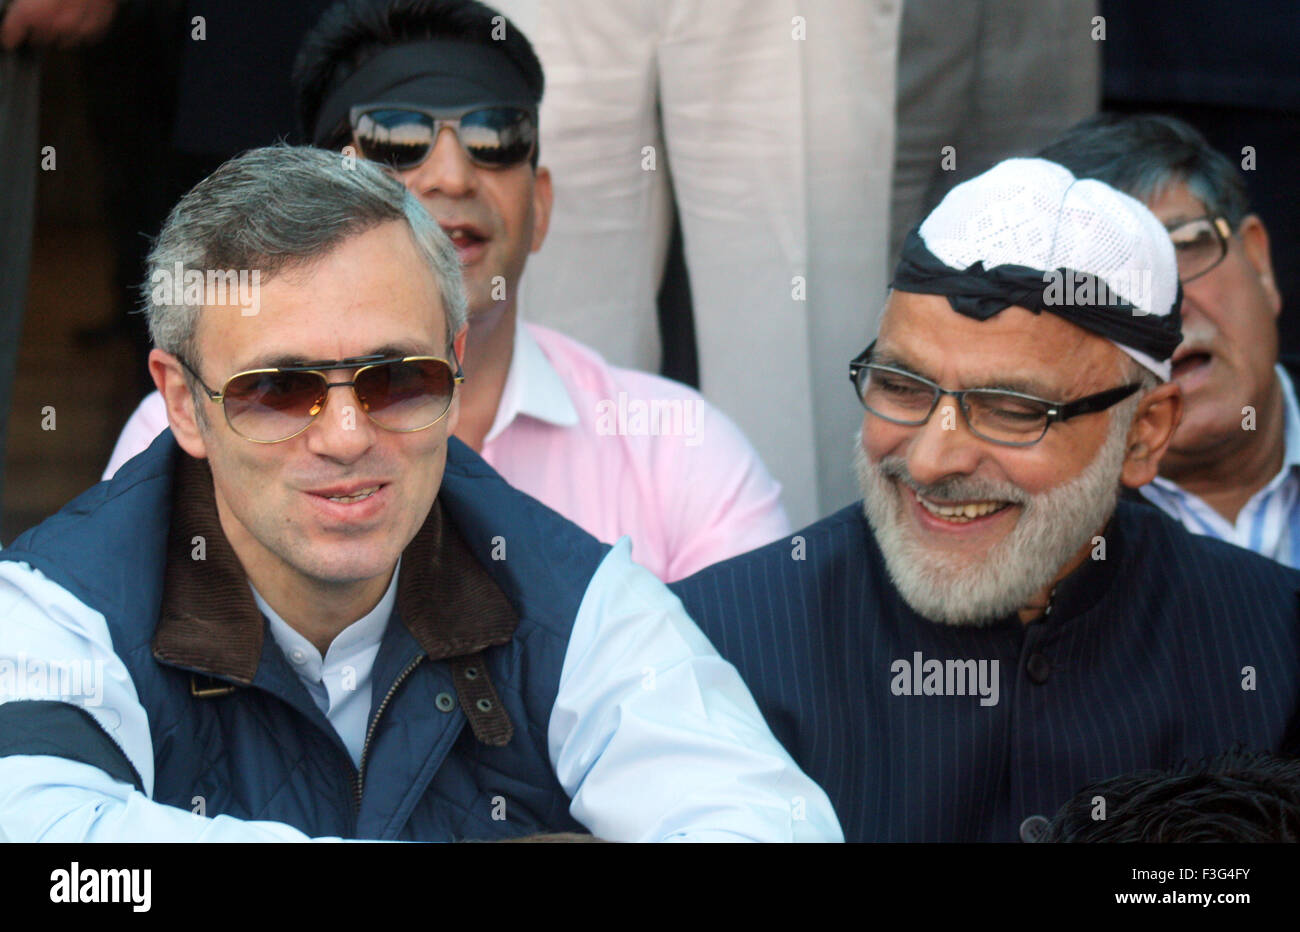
[[1039, 668], [297, 656], [1033, 828], [444, 702]]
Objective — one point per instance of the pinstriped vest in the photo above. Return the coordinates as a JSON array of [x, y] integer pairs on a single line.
[[1171, 648]]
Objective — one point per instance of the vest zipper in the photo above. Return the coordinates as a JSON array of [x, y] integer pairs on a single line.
[[359, 781]]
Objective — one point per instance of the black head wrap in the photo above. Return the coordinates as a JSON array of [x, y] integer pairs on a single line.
[[434, 73], [981, 292]]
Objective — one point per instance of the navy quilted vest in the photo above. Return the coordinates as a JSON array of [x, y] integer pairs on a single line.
[[265, 751]]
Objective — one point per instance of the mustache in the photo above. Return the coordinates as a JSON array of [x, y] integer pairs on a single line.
[[956, 488], [1197, 338]]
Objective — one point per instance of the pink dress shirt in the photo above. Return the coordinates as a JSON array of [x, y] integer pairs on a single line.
[[615, 451]]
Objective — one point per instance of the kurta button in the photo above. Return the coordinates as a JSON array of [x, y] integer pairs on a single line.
[[484, 705], [1033, 828], [444, 702], [1039, 668]]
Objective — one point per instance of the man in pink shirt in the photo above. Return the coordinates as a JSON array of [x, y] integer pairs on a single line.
[[617, 452]]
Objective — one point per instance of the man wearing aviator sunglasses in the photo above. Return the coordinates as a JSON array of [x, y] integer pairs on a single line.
[[991, 628], [441, 96], [401, 394], [1233, 468], [325, 616]]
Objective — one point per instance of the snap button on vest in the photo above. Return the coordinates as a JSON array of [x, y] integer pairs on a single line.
[[1033, 828], [444, 702]]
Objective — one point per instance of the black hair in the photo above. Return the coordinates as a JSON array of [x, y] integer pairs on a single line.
[[352, 32], [1234, 797], [1141, 155]]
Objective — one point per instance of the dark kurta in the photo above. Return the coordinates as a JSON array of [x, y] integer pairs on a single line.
[[1139, 664]]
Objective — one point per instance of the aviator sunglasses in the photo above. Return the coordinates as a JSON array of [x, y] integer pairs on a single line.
[[402, 135], [399, 393]]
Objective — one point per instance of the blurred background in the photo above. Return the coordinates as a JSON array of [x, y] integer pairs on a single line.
[[139, 111]]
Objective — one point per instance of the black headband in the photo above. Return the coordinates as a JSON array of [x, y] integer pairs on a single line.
[[435, 73], [980, 293]]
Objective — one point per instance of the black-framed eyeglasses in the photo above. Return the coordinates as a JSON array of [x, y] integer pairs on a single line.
[[1004, 417], [1199, 245], [402, 394], [403, 135]]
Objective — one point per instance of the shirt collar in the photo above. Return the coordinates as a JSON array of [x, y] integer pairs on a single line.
[[365, 632], [1291, 423], [533, 388]]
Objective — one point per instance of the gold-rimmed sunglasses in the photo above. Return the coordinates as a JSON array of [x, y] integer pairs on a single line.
[[402, 394]]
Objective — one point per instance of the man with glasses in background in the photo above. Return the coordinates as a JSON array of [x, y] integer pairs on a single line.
[[991, 629], [1231, 469], [445, 93], [306, 612]]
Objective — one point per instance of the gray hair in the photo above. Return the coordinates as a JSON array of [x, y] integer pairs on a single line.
[[1142, 155], [1130, 370], [278, 208]]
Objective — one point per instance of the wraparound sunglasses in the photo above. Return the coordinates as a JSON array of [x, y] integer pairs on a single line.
[[403, 135]]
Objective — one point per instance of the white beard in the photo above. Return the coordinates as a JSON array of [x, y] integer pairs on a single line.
[[982, 588]]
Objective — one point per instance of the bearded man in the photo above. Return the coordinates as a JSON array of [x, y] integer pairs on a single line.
[[991, 629]]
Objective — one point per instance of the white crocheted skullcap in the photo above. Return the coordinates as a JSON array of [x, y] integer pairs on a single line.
[[1035, 213]]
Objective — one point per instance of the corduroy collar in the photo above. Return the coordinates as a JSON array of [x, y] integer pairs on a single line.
[[210, 623]]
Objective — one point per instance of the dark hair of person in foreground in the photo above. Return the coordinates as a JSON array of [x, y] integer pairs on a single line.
[[1233, 797]]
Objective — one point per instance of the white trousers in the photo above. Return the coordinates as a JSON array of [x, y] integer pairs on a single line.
[[771, 123]]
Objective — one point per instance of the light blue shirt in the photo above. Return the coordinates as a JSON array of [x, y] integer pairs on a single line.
[[653, 735], [333, 680], [1269, 523]]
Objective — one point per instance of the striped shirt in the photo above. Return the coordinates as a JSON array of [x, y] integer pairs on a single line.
[[1269, 524]]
